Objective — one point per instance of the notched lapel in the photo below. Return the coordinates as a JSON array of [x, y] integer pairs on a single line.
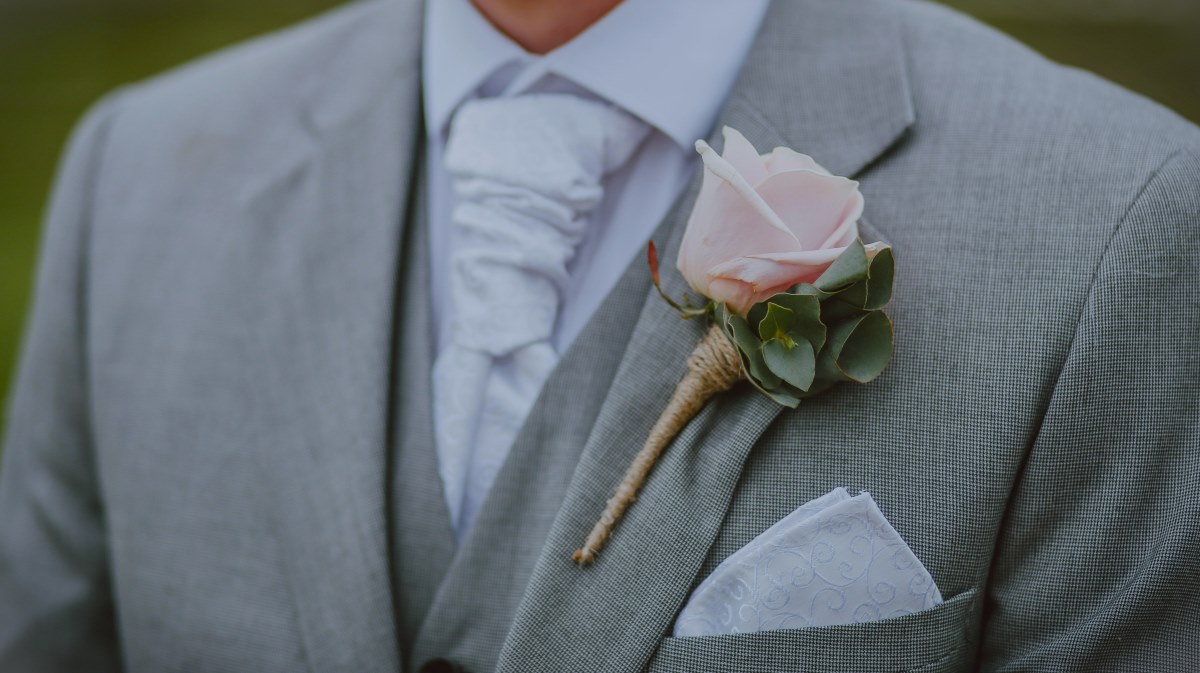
[[574, 618], [828, 79], [327, 230], [824, 78]]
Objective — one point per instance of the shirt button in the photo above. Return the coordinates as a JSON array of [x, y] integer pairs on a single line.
[[440, 666]]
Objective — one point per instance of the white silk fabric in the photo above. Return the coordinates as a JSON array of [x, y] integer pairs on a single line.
[[527, 170], [835, 560]]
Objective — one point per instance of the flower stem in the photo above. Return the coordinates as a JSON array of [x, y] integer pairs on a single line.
[[712, 368]]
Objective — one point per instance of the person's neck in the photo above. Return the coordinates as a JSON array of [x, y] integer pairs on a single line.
[[540, 26]]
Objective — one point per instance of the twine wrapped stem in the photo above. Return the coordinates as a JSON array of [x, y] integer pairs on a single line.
[[712, 368]]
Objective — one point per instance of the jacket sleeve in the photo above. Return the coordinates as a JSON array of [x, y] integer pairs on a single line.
[[1097, 565], [56, 607]]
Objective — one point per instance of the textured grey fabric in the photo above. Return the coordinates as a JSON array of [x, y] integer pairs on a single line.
[[461, 605], [422, 542], [232, 230], [198, 439], [56, 609], [475, 605], [1002, 199], [910, 643]]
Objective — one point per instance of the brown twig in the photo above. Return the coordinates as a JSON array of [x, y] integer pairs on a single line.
[[712, 368]]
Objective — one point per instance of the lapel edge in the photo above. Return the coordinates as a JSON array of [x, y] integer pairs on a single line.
[[846, 128]]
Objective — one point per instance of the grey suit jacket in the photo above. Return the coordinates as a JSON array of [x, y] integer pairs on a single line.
[[194, 473]]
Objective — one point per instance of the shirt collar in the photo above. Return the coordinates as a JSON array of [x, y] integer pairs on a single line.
[[669, 62]]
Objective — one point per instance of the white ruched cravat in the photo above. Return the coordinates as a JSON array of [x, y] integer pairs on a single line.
[[527, 171]]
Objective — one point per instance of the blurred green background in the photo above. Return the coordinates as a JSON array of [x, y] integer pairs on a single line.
[[57, 56]]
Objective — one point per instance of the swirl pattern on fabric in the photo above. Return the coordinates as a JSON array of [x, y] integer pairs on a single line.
[[834, 560]]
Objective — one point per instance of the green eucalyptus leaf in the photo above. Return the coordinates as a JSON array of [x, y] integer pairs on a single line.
[[854, 294], [741, 334], [879, 282], [866, 349], [756, 314], [808, 289], [721, 314], [834, 311], [849, 267], [798, 344], [757, 368], [839, 333], [751, 349], [777, 323], [806, 322], [786, 399], [827, 370], [779, 395], [794, 364], [821, 385]]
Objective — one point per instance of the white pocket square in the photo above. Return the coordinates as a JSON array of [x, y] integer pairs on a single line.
[[835, 560]]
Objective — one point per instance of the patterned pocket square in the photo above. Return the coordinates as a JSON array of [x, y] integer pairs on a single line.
[[835, 560]]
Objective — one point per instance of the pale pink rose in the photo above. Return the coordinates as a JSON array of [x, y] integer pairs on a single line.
[[762, 224]]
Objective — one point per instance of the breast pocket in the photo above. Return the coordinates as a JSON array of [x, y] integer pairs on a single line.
[[936, 640]]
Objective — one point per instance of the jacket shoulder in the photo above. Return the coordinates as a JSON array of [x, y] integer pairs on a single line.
[[1003, 115], [241, 89], [964, 72]]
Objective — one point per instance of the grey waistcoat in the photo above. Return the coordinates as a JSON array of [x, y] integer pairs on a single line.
[[459, 604]]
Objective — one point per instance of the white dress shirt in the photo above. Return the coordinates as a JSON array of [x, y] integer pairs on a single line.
[[670, 63]]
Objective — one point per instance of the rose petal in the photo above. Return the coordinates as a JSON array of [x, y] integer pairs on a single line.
[[820, 210], [735, 294], [848, 230], [691, 254], [750, 280], [786, 159], [718, 167], [740, 153], [772, 270], [744, 243], [724, 226]]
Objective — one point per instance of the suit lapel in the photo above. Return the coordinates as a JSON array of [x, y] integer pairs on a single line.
[[489, 574], [826, 79], [327, 233]]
